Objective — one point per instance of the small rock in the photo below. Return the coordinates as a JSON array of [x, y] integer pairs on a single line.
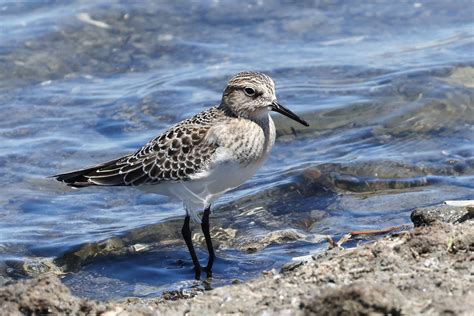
[[426, 216], [291, 266]]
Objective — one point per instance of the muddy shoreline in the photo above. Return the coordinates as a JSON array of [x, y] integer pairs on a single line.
[[428, 270]]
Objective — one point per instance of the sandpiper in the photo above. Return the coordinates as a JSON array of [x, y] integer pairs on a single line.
[[200, 158]]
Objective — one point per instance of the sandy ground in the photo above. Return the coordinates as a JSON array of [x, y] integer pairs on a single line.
[[426, 271]]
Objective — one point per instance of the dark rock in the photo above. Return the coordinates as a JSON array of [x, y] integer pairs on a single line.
[[291, 266], [426, 216]]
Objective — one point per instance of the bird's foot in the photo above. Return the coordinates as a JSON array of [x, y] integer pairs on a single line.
[[208, 270], [198, 270]]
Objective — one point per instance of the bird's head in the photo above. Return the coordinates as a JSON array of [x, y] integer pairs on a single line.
[[251, 95]]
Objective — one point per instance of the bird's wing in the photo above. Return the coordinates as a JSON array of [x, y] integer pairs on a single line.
[[173, 156]]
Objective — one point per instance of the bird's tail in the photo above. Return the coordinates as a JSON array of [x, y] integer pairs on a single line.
[[107, 174]]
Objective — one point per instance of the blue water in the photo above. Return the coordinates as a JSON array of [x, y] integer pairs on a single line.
[[387, 88]]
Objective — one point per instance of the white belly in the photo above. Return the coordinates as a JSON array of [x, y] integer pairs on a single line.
[[198, 193]]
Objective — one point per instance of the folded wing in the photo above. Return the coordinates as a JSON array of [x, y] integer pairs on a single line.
[[173, 156]]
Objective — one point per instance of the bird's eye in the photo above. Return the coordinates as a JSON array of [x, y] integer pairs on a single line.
[[249, 91]]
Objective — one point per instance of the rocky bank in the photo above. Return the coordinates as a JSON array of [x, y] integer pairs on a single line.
[[425, 271]]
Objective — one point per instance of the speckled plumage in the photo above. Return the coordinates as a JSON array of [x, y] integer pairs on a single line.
[[172, 156], [202, 157]]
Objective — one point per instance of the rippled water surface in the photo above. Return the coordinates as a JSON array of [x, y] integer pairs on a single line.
[[388, 89]]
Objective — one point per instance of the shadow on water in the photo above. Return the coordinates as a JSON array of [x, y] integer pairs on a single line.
[[387, 88]]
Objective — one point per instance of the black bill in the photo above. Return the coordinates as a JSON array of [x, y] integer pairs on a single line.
[[277, 107]]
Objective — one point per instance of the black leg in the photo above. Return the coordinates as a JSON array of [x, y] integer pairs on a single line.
[[207, 236], [186, 232]]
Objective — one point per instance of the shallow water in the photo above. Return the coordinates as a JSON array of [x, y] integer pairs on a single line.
[[387, 87]]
